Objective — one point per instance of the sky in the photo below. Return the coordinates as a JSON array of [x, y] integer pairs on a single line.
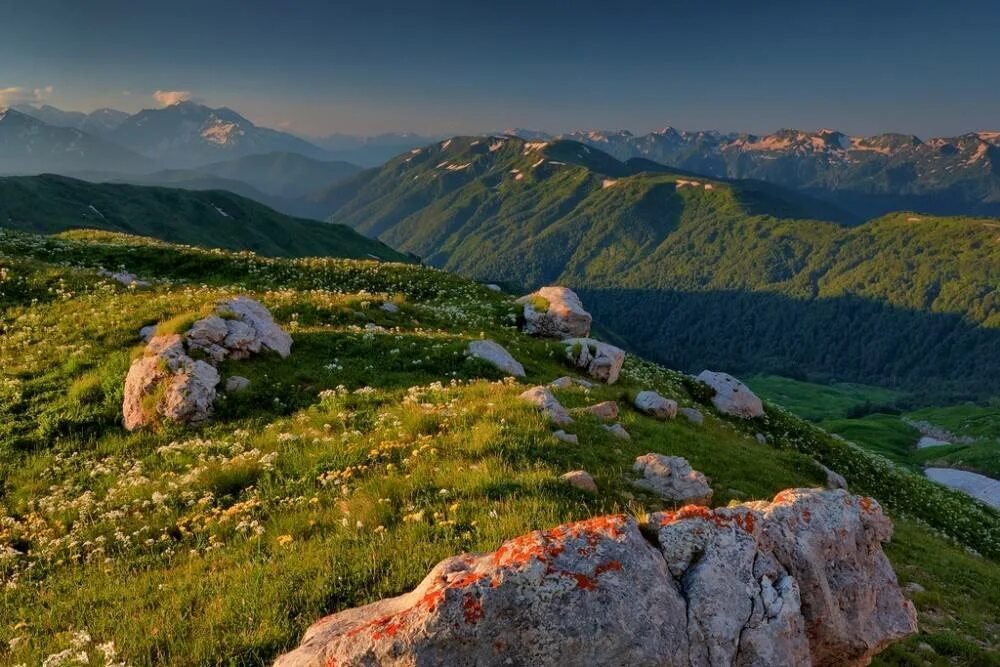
[[365, 67]]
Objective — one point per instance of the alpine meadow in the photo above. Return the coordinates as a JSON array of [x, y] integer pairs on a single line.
[[432, 335]]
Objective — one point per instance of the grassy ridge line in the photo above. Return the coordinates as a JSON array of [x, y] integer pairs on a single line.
[[214, 219]]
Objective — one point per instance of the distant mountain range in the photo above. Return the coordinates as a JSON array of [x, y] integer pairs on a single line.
[[30, 146], [696, 271], [868, 176]]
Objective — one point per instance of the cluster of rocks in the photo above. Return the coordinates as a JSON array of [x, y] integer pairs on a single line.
[[167, 383], [125, 278], [800, 580]]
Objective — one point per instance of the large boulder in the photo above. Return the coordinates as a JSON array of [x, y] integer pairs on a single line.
[[555, 312], [798, 581], [167, 384], [494, 353], [732, 397], [601, 361], [672, 478], [655, 405], [543, 399]]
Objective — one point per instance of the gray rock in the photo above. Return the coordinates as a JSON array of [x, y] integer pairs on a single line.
[[565, 382], [601, 361], [603, 410], [732, 397], [494, 353], [834, 480], [567, 437], [236, 384], [493, 287], [389, 307], [692, 415], [147, 332], [258, 318], [563, 318], [672, 478], [761, 438], [544, 400], [801, 580], [618, 431], [655, 405], [581, 479], [167, 384]]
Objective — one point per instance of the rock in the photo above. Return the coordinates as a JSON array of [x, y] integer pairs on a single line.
[[600, 360], [913, 588], [166, 383], [581, 480], [672, 478], [124, 277], [543, 399], [930, 441], [555, 312], [565, 382], [761, 438], [732, 397], [603, 410], [834, 480], [494, 287], [209, 335], [147, 332], [236, 384], [618, 431], [692, 415], [389, 307], [566, 437], [259, 320], [801, 580], [655, 405], [494, 353]]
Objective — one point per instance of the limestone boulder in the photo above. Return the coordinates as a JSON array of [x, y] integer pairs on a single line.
[[603, 410], [600, 361], [654, 405], [495, 354], [732, 397], [555, 312], [167, 384], [672, 478], [580, 479], [692, 415], [801, 580]]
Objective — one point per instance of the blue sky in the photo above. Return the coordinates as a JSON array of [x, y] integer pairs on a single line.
[[451, 67]]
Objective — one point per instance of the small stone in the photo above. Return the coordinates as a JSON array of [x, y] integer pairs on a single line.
[[565, 382], [618, 431], [692, 415], [494, 353], [655, 405], [581, 480], [913, 588], [389, 307], [761, 438], [834, 480], [494, 287], [543, 399], [567, 437], [673, 479], [236, 383], [604, 410]]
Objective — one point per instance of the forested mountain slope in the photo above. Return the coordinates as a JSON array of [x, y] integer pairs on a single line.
[[700, 270]]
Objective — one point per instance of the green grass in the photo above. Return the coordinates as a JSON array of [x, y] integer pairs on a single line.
[[886, 435], [816, 402], [347, 470]]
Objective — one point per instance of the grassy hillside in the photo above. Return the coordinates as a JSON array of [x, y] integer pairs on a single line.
[[701, 272], [214, 219], [348, 469]]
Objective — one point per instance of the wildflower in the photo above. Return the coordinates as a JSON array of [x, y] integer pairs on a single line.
[[284, 540]]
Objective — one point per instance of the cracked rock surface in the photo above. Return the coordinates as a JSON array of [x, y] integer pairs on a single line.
[[801, 580]]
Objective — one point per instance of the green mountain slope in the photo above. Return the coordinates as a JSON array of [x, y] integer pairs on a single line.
[[346, 470], [697, 271], [215, 219]]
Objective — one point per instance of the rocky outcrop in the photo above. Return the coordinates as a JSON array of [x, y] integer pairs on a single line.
[[238, 328], [544, 400], [167, 383], [601, 361], [495, 354], [672, 478], [555, 312], [801, 580], [654, 405], [732, 397]]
